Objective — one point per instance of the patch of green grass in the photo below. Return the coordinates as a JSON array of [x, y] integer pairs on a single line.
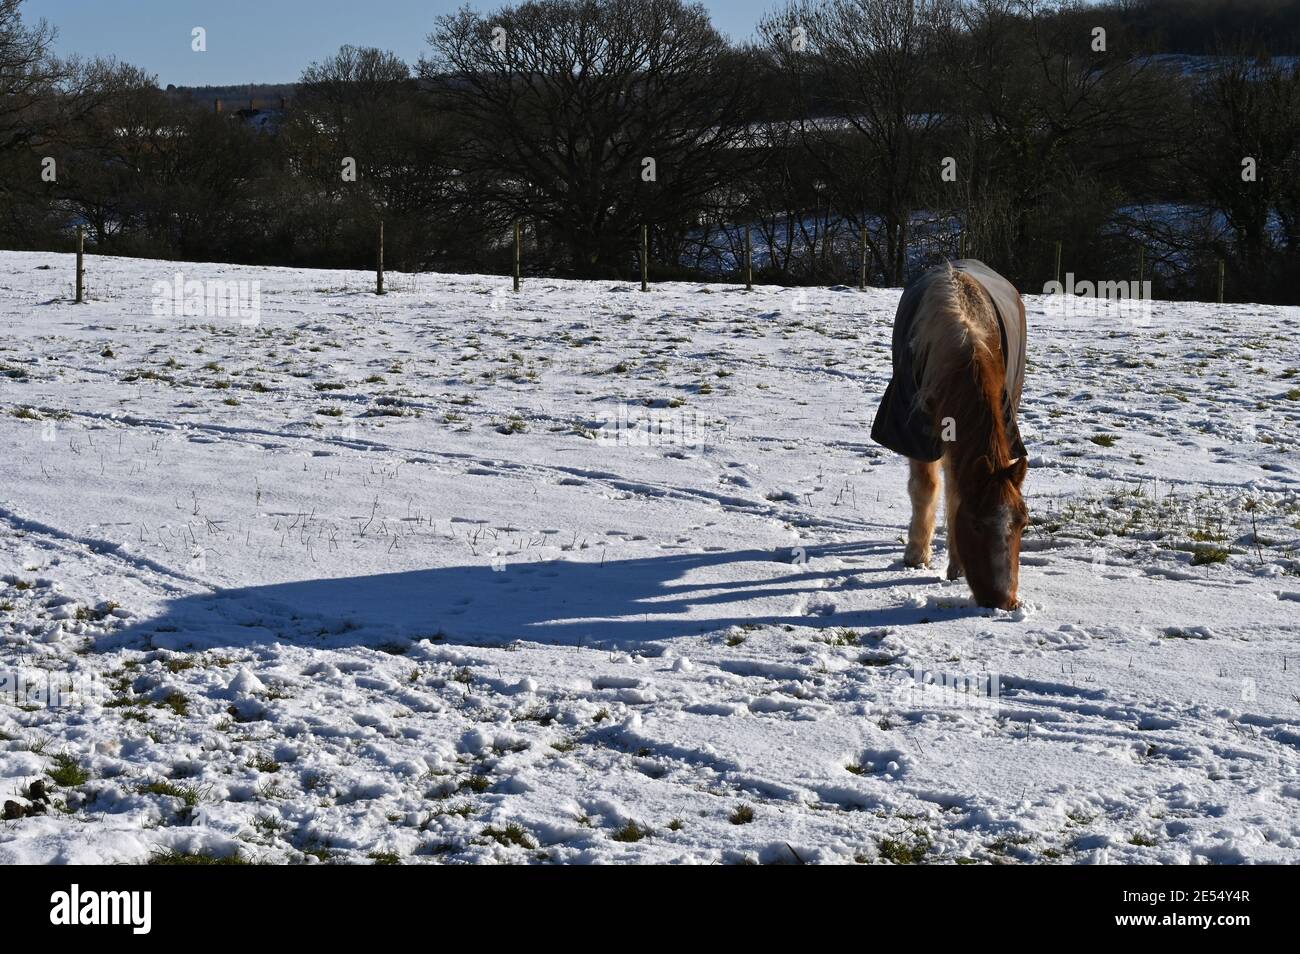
[[188, 794], [147, 374], [1203, 556], [96, 614], [268, 825], [1007, 843], [904, 851], [538, 714], [1103, 440], [463, 810], [175, 701], [840, 637], [269, 790], [385, 857], [170, 856], [742, 815], [512, 834], [630, 832], [1142, 841], [263, 763], [318, 850], [67, 772]]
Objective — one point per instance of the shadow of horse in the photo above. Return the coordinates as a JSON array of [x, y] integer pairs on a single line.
[[620, 603]]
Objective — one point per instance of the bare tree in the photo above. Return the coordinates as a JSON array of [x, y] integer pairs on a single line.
[[363, 108], [29, 78], [866, 70], [589, 117], [52, 108], [1245, 153], [1053, 118]]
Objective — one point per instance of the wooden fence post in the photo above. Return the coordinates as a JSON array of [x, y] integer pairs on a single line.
[[517, 241], [379, 261], [1058, 261], [1221, 282], [749, 262], [1142, 263], [81, 270], [645, 258], [862, 258]]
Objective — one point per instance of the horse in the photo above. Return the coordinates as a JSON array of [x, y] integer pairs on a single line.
[[951, 404]]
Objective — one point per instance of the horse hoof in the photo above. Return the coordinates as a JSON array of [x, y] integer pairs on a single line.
[[915, 561], [955, 571]]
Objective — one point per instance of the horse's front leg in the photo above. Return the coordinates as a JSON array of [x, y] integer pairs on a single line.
[[951, 501], [923, 488]]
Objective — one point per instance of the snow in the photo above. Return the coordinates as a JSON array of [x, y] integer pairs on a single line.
[[371, 579]]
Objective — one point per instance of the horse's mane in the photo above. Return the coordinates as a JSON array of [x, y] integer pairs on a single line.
[[956, 343]]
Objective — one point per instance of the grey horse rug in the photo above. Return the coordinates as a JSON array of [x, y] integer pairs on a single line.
[[905, 427]]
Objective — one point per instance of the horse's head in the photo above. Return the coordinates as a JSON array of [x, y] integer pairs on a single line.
[[987, 530]]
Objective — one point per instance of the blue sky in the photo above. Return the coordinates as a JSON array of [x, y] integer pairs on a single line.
[[270, 41]]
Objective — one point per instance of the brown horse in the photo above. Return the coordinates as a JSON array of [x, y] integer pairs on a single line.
[[958, 368]]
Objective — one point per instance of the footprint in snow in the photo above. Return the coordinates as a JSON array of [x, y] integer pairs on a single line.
[[819, 604]]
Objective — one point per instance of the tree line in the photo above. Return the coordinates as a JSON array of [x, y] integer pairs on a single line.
[[1147, 137]]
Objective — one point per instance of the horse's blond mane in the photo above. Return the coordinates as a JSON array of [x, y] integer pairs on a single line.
[[955, 340], [951, 329]]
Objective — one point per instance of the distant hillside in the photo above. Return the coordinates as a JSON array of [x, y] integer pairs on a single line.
[[263, 95]]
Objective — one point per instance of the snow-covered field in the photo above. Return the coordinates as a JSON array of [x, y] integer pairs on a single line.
[[379, 579]]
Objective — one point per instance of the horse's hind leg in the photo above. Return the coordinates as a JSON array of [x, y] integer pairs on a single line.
[[950, 504], [923, 488]]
